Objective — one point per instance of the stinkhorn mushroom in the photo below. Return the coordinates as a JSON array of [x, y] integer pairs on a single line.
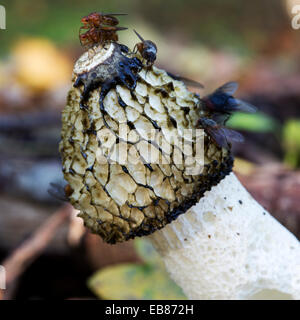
[[130, 177]]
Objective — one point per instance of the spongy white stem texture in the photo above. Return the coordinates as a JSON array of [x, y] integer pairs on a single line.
[[229, 247]]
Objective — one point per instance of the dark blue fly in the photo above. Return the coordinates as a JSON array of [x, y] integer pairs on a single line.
[[222, 101]]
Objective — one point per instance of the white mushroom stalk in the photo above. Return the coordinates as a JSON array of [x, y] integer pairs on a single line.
[[229, 247], [216, 240]]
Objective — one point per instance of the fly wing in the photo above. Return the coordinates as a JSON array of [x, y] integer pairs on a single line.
[[242, 106], [115, 14], [232, 135], [218, 136], [224, 136], [229, 88], [187, 81], [191, 83], [120, 28]]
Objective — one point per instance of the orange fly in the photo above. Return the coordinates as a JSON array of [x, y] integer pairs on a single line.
[[100, 28]]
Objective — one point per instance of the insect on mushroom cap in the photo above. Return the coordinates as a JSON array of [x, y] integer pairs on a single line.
[[147, 49]]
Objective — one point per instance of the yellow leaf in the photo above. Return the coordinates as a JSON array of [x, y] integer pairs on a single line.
[[39, 65], [133, 281]]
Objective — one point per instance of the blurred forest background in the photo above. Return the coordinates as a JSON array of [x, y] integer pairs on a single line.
[[44, 247]]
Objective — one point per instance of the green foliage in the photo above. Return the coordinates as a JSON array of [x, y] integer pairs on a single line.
[[148, 281], [258, 122], [291, 142]]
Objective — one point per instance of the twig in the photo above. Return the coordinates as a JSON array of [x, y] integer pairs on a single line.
[[30, 249]]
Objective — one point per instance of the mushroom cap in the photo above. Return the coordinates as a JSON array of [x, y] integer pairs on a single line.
[[134, 165]]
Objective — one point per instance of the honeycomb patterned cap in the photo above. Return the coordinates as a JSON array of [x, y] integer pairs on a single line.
[[121, 148]]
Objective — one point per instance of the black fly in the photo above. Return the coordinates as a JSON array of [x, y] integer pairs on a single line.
[[221, 135], [222, 101], [147, 49]]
